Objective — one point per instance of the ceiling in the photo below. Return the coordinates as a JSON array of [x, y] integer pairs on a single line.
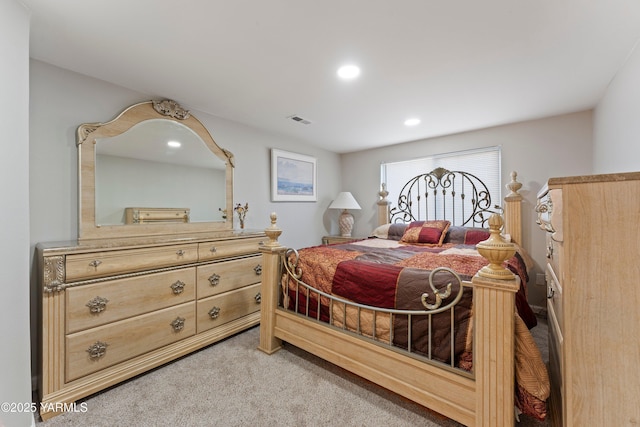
[[458, 65]]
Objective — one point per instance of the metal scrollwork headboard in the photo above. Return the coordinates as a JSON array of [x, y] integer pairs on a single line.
[[459, 197]]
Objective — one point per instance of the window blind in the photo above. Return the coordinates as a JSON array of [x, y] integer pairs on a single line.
[[485, 163]]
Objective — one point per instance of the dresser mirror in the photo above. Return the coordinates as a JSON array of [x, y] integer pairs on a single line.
[[154, 161]]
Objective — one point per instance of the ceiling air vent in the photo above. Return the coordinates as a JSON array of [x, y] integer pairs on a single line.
[[299, 119]]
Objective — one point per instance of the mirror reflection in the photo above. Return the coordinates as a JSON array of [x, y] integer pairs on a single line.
[[158, 164]]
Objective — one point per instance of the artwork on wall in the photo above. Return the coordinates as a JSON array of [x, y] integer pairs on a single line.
[[293, 177]]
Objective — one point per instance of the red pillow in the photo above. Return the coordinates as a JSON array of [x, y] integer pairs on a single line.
[[466, 235], [473, 237], [426, 232]]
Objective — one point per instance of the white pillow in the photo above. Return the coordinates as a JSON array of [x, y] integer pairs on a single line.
[[381, 232]]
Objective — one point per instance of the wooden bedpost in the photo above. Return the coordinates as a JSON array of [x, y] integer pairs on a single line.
[[271, 258], [513, 210], [383, 206], [494, 306]]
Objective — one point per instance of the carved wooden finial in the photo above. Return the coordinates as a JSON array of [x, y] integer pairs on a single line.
[[496, 250], [513, 187], [273, 232], [383, 193]]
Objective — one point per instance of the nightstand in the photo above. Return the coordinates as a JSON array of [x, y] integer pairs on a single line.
[[327, 240]]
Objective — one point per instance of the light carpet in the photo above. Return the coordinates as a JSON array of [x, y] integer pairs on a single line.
[[231, 383]]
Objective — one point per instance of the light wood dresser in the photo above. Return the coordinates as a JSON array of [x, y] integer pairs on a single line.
[[593, 273], [144, 283], [114, 309]]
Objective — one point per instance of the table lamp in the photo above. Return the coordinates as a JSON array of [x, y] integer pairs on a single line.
[[344, 201]]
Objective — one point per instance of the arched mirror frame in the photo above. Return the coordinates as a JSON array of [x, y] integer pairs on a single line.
[[87, 135]]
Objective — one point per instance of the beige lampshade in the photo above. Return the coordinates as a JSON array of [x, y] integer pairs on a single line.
[[345, 200]]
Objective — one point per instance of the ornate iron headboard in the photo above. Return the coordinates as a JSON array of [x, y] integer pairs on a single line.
[[459, 197]]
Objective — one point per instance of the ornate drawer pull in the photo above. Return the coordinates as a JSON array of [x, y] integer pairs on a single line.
[[180, 252], [214, 279], [95, 263], [213, 249], [97, 305], [550, 292], [97, 350], [214, 313], [550, 251], [178, 287], [258, 269], [261, 243], [178, 324], [258, 298]]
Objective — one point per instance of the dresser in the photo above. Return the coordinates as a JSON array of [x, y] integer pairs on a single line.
[[112, 310], [592, 274], [158, 269]]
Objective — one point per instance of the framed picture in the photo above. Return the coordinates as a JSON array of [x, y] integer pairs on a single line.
[[293, 177]]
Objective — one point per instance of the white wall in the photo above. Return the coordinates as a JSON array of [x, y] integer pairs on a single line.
[[15, 372], [537, 150], [61, 100], [616, 128]]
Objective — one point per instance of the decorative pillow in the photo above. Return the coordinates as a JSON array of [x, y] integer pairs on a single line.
[[381, 232], [466, 235], [389, 231], [396, 231], [426, 232]]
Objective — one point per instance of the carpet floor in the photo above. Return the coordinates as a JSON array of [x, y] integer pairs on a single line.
[[231, 383]]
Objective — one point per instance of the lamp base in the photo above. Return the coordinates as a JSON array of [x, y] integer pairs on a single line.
[[346, 223]]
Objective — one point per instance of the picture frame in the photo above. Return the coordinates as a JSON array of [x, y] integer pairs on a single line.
[[293, 177]]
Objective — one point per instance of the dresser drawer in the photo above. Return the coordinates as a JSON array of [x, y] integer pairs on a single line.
[[98, 264], [217, 310], [555, 296], [98, 348], [223, 249], [228, 275], [93, 305]]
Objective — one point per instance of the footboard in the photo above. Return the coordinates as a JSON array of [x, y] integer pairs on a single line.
[[361, 338]]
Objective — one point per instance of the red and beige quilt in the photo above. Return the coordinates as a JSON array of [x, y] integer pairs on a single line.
[[389, 274]]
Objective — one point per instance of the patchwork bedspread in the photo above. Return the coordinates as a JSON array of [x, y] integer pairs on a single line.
[[387, 274]]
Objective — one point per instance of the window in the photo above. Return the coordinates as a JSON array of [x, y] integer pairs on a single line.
[[484, 163]]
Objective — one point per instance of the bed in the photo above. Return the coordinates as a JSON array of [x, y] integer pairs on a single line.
[[432, 306]]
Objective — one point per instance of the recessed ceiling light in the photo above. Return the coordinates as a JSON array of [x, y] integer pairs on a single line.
[[349, 71], [173, 144], [412, 122]]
